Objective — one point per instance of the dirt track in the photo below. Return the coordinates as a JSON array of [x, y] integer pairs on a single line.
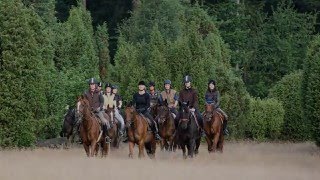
[[239, 161]]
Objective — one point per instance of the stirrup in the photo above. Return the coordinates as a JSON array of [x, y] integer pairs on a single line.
[[108, 140]]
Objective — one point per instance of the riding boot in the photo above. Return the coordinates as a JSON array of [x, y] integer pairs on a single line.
[[156, 131], [225, 130], [105, 133]]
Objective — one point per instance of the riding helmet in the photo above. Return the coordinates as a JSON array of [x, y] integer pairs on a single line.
[[167, 82], [211, 81], [108, 85], [187, 79], [142, 83], [99, 84], [92, 81], [152, 83]]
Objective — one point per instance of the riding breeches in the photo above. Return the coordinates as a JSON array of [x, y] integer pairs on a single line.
[[119, 118], [104, 121]]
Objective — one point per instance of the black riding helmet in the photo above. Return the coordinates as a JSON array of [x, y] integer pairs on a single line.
[[142, 83], [108, 85], [152, 83]]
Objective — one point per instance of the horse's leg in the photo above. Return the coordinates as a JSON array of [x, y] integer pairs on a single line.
[[131, 147], [171, 143], [86, 148], [220, 143], [209, 142], [215, 141], [153, 148], [162, 144], [141, 149], [93, 148], [183, 147], [190, 146], [198, 141], [166, 145]]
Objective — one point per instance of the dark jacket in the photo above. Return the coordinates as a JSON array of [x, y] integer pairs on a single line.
[[213, 97], [95, 100], [141, 102], [190, 95], [154, 98], [117, 98]]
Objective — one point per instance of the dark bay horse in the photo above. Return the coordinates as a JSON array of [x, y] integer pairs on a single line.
[[167, 128], [113, 133], [188, 131], [213, 128], [69, 121], [138, 133], [90, 130]]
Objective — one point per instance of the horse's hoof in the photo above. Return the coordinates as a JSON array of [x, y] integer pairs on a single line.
[[130, 156], [185, 157]]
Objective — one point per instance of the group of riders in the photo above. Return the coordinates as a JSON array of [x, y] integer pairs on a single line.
[[145, 100]]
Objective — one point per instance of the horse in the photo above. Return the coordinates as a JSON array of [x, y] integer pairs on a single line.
[[138, 133], [90, 130], [113, 132], [188, 130], [166, 126], [213, 128], [69, 121]]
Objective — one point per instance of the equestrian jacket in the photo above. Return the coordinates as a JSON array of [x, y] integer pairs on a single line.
[[190, 95], [141, 102], [171, 96], [95, 100], [213, 97]]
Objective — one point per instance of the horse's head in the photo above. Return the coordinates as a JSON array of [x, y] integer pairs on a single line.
[[184, 112], [82, 104], [163, 112], [209, 110], [129, 110]]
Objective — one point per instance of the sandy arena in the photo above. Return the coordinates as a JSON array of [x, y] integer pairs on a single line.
[[240, 161]]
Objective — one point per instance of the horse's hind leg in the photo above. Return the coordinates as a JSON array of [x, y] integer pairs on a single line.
[[220, 143], [183, 147]]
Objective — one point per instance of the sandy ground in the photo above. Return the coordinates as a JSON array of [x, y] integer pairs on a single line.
[[245, 160]]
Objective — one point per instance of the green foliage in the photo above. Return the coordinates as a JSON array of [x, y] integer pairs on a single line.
[[311, 88], [264, 119], [22, 95], [102, 43], [288, 91]]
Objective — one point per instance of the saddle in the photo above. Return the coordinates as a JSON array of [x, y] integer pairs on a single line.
[[147, 120]]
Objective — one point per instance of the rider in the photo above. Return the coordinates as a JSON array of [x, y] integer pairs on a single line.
[[213, 97], [171, 96], [154, 95], [99, 88], [141, 101], [189, 94], [96, 102], [118, 103]]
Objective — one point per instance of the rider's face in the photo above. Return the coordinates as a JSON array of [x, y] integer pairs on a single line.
[[114, 91], [211, 86], [99, 88], [141, 87], [167, 86], [92, 87], [151, 88], [108, 90], [188, 84]]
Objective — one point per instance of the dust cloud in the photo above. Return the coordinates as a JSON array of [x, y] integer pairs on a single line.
[[240, 161]]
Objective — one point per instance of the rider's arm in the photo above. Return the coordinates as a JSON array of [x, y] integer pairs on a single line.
[[195, 100], [176, 98], [217, 99]]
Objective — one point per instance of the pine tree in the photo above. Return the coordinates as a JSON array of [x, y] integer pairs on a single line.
[[22, 95], [102, 39], [311, 88]]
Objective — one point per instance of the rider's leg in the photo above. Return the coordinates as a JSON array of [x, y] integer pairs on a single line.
[[120, 119], [105, 125], [225, 122], [154, 126]]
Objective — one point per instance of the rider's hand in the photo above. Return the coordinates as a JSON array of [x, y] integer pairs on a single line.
[[192, 109]]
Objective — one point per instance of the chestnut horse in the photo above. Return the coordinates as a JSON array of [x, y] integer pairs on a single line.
[[138, 133], [90, 130], [213, 128], [166, 126], [188, 132], [113, 133]]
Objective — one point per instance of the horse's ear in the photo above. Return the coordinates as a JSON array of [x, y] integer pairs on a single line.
[[129, 104], [188, 104]]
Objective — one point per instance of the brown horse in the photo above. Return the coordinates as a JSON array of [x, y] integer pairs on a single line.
[[90, 131], [166, 126], [213, 128], [138, 133], [113, 133]]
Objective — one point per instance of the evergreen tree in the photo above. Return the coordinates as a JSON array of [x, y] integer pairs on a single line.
[[311, 88], [22, 95], [102, 39]]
